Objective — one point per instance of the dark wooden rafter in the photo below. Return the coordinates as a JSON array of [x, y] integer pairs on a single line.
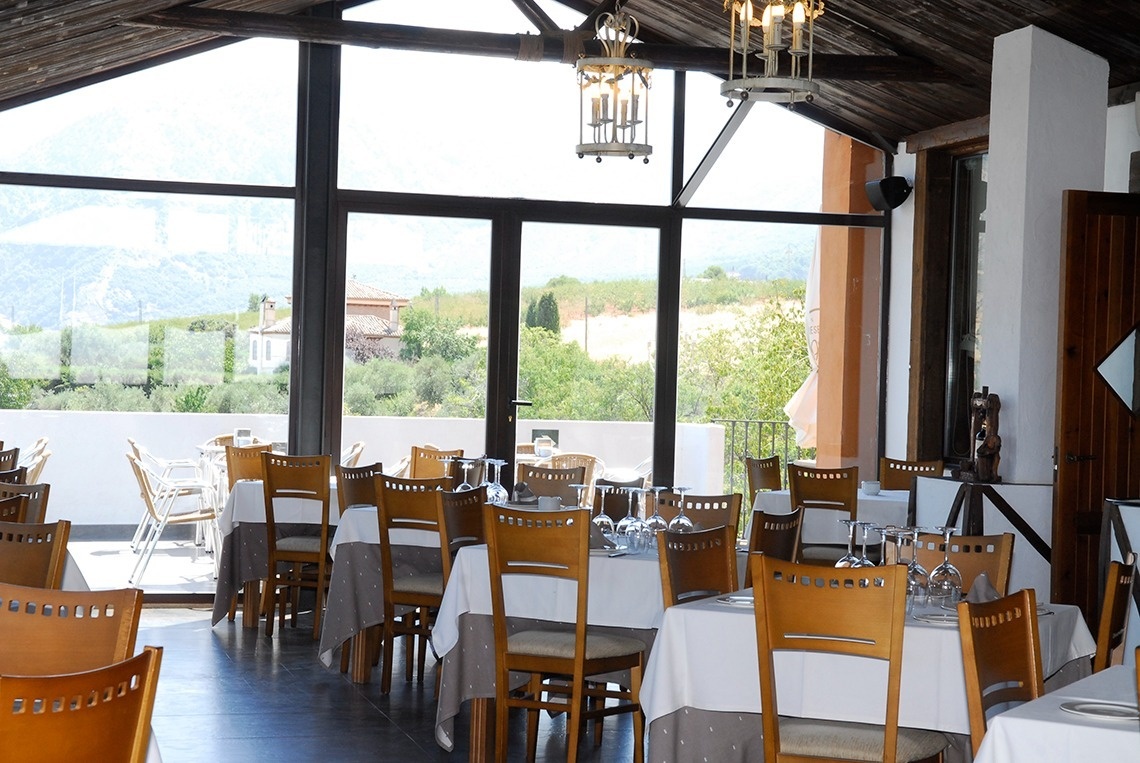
[[422, 39], [542, 22]]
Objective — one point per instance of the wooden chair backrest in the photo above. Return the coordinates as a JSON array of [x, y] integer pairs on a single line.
[[763, 474], [971, 554], [17, 476], [37, 493], [705, 511], [807, 608], [66, 631], [460, 523], [593, 465], [356, 485], [14, 509], [554, 482], [300, 477], [107, 725], [428, 463], [33, 555], [243, 462], [826, 489], [1114, 612], [696, 565], [1001, 653], [895, 474], [406, 504], [776, 535], [9, 459], [616, 503]]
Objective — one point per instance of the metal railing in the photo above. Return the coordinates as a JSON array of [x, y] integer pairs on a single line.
[[758, 439]]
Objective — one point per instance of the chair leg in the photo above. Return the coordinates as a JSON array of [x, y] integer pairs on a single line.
[[502, 717], [233, 608], [638, 715], [535, 689], [386, 660]]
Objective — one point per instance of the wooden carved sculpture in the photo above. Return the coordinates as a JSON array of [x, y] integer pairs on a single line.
[[984, 421]]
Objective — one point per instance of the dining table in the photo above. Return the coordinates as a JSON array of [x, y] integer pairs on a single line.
[[886, 507], [701, 693], [1093, 719], [624, 597]]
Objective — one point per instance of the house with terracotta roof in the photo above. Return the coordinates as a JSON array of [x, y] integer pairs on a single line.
[[372, 316]]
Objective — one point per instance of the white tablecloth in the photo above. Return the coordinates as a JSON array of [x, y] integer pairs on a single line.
[[705, 657], [625, 592], [359, 524], [1040, 732], [888, 507], [246, 503]]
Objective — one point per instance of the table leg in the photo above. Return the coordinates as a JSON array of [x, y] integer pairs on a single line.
[[251, 604], [361, 659], [482, 737]]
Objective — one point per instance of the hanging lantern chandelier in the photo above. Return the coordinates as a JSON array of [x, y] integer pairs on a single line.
[[614, 93], [786, 50]]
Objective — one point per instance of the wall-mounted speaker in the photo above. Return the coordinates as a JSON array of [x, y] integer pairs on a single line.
[[888, 193]]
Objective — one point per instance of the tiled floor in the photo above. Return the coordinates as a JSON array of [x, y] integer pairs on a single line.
[[229, 694]]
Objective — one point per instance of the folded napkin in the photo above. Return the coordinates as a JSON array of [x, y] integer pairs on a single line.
[[598, 538], [523, 494], [982, 590]]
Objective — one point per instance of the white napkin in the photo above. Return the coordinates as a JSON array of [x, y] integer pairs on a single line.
[[982, 590]]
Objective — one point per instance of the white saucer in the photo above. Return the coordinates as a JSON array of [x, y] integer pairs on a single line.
[[1107, 711]]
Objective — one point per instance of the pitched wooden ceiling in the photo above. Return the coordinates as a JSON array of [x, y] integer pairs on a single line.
[[888, 68]]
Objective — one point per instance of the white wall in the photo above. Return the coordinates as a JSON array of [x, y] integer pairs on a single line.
[[1122, 138], [898, 328]]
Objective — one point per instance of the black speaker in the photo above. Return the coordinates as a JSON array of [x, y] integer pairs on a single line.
[[888, 193]]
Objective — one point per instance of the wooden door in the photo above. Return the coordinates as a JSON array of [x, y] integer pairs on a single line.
[[1097, 436]]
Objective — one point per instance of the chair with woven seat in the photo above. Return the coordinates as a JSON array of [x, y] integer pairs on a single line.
[[298, 478], [1001, 652], [763, 474], [593, 465], [14, 509], [1113, 625], [857, 611], [554, 545], [66, 631], [356, 485], [616, 502], [164, 507], [407, 504], [896, 474], [39, 720], [695, 565], [17, 476], [544, 481], [33, 554], [776, 535], [9, 459], [704, 511], [350, 456], [971, 554], [429, 462], [37, 494], [834, 491]]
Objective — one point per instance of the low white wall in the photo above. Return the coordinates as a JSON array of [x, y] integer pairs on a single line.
[[92, 484]]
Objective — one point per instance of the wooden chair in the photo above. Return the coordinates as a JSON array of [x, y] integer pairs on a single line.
[[9, 459], [66, 631], [807, 608], [763, 474], [407, 504], [101, 714], [429, 463], [17, 476], [243, 462], [1001, 652], [616, 503], [460, 524], [351, 455], [160, 499], [1114, 613], [895, 474], [297, 478], [33, 554], [696, 565], [705, 511], [971, 554], [544, 481], [776, 535], [593, 465], [555, 545], [832, 490], [14, 509], [37, 495], [356, 485]]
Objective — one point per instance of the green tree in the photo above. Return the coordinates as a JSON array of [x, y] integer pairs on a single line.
[[255, 301], [428, 334], [543, 313]]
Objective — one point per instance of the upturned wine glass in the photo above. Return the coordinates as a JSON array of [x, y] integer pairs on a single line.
[[917, 579], [655, 522], [864, 560], [849, 559], [580, 488], [465, 464], [496, 493], [603, 521], [945, 585], [629, 519], [681, 523]]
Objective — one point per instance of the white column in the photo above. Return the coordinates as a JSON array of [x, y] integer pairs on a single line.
[[1047, 134]]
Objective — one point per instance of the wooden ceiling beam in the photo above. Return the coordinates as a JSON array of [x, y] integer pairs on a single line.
[[535, 15], [363, 34]]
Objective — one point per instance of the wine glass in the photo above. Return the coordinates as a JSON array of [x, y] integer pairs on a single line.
[[917, 579], [496, 493], [681, 523], [888, 533], [579, 487], [849, 559], [603, 521], [863, 560], [945, 584], [465, 464], [656, 523], [628, 520], [638, 526]]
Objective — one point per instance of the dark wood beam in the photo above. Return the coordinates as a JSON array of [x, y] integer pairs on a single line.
[[537, 16], [364, 34]]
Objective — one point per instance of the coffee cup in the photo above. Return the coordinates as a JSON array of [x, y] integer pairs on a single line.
[[870, 487]]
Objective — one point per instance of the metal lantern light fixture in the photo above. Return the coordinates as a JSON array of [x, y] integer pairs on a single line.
[[614, 93], [788, 35]]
